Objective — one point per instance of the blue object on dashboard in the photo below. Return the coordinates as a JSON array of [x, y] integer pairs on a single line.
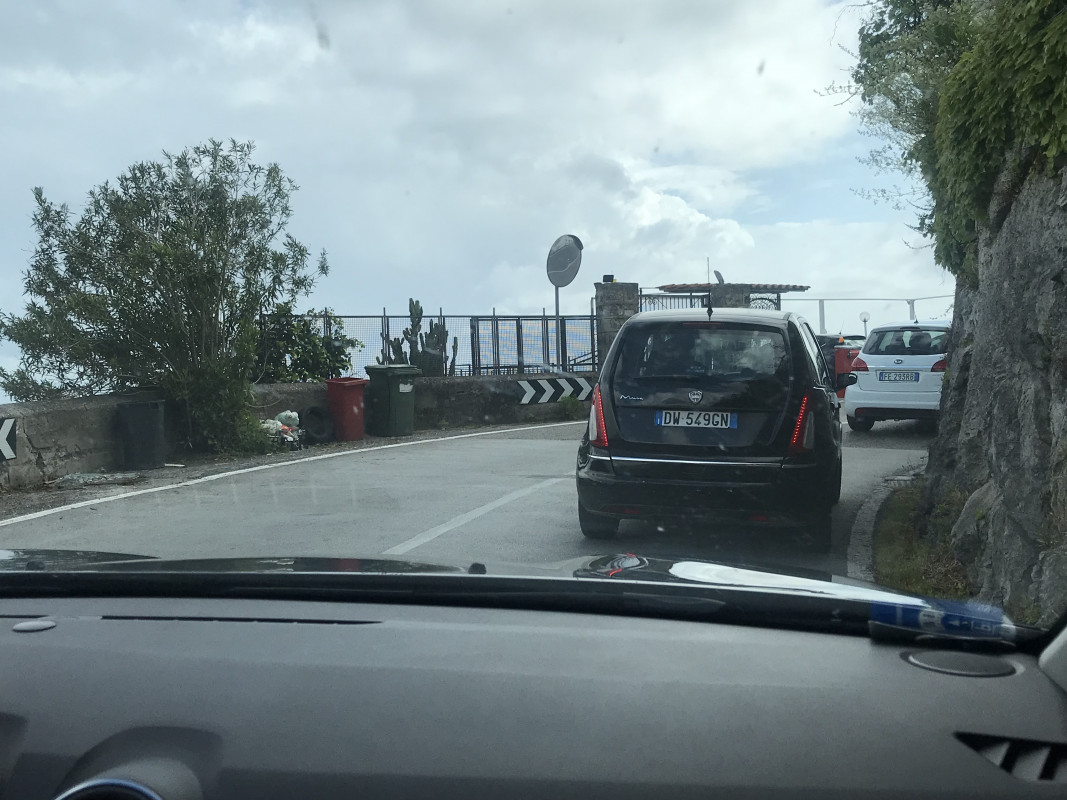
[[946, 617]]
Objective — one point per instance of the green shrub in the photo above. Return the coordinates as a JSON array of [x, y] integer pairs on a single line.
[[293, 349], [573, 408]]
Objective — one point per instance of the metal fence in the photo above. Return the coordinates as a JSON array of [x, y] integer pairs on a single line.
[[659, 301], [485, 345], [517, 345]]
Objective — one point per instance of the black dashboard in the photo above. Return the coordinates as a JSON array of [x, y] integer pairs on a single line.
[[206, 698]]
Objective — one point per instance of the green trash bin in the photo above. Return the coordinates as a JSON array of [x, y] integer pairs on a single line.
[[142, 436], [390, 399]]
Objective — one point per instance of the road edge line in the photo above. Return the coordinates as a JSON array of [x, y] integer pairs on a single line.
[[262, 467], [860, 557]]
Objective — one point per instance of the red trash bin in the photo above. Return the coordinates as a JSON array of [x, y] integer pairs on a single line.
[[843, 358], [346, 407]]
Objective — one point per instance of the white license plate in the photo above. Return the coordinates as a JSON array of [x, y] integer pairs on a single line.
[[894, 377], [697, 419]]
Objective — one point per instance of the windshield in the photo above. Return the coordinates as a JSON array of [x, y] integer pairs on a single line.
[[907, 342], [521, 288], [717, 353]]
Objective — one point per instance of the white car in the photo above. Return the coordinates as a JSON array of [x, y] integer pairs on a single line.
[[899, 372]]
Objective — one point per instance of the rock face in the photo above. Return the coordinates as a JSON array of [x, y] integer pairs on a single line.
[[1003, 436]]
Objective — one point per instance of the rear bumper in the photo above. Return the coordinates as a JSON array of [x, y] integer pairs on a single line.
[[891, 405], [782, 494]]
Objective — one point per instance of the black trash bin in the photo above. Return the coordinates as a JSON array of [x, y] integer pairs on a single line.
[[390, 399], [142, 438]]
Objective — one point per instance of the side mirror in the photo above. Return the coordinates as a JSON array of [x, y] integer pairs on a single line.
[[846, 379]]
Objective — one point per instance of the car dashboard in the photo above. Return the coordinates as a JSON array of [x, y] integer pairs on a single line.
[[183, 698]]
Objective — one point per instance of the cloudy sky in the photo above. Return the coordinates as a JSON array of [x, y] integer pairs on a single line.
[[442, 145]]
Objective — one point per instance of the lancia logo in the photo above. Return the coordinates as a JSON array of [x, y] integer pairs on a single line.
[[695, 396], [898, 360]]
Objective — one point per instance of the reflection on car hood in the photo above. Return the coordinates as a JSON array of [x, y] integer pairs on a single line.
[[708, 573], [887, 606], [96, 561], [59, 560], [625, 566]]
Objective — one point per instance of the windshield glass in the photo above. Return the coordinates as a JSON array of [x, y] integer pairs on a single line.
[[718, 353], [525, 288], [907, 342]]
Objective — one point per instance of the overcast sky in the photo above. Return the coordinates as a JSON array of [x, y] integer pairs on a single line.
[[441, 146]]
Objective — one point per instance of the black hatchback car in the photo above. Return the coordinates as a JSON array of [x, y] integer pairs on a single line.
[[730, 416]]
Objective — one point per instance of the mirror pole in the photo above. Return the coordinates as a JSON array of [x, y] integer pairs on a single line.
[[559, 336]]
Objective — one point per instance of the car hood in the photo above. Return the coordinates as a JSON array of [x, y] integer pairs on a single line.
[[102, 561], [630, 566], [60, 560], [617, 567]]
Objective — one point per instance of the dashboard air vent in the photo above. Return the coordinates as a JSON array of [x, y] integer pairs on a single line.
[[1025, 759]]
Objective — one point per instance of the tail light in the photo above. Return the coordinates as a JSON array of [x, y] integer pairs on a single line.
[[804, 431], [939, 366], [859, 365], [598, 435]]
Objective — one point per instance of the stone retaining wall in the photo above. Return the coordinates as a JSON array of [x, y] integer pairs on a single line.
[[60, 437]]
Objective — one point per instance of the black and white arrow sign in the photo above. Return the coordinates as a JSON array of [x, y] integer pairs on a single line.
[[551, 390], [7, 439]]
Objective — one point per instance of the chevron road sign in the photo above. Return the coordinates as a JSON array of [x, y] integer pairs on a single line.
[[550, 390], [7, 439]]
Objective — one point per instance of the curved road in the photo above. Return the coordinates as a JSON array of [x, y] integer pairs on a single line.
[[498, 497]]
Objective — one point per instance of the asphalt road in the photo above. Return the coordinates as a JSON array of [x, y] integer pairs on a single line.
[[502, 497]]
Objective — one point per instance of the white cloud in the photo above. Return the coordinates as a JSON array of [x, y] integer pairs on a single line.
[[442, 145]]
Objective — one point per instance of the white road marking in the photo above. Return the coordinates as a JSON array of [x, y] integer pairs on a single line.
[[474, 513], [246, 470]]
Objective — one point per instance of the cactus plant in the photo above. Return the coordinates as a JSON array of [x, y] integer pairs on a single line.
[[395, 354], [427, 351], [412, 334], [433, 357]]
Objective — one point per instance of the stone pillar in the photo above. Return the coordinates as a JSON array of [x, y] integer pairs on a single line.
[[615, 303], [729, 296]]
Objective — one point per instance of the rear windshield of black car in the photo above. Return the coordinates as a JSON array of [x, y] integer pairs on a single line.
[[907, 342], [704, 352]]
